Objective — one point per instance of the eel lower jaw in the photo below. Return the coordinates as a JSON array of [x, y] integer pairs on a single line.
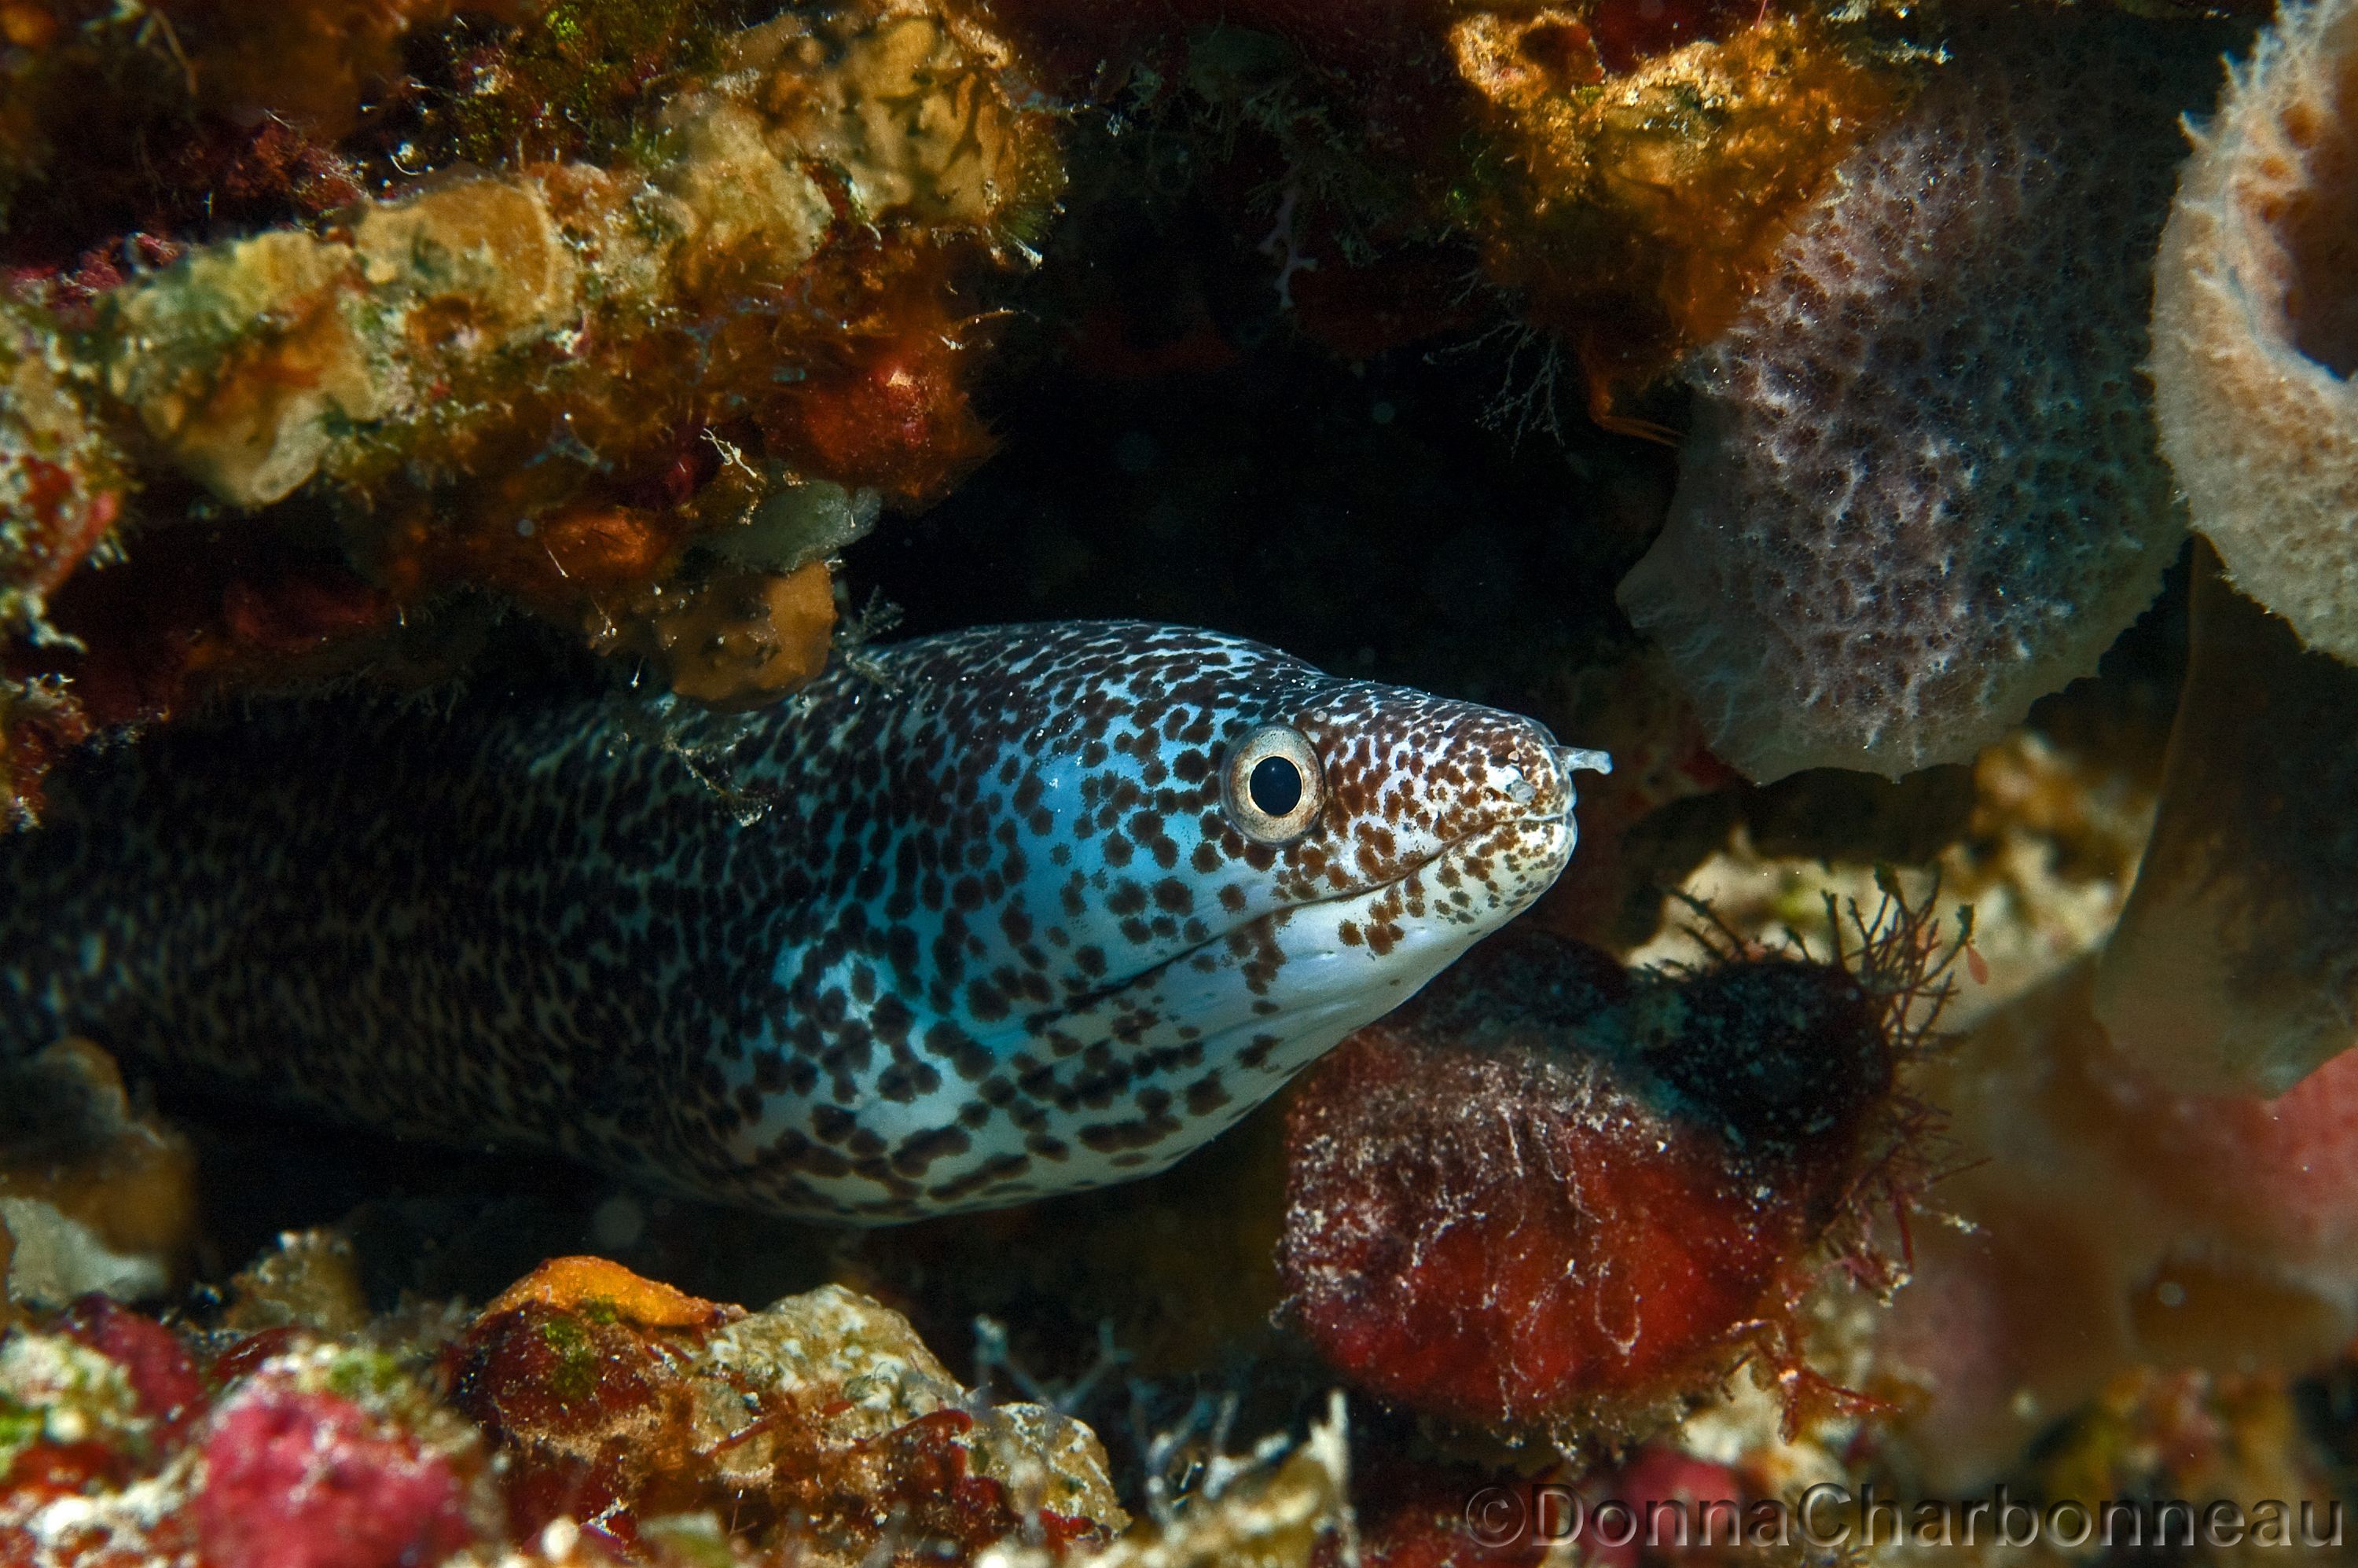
[[1488, 906], [1500, 870]]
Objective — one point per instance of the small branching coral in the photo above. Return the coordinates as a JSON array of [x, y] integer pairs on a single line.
[[1551, 1198]]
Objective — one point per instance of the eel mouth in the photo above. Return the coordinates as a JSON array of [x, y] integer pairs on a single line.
[[1257, 933], [1544, 832]]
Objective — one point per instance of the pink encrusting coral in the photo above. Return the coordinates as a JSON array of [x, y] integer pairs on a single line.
[[2107, 1219], [297, 1479], [2256, 326], [1921, 490]]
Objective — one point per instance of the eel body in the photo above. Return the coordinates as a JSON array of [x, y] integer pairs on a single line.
[[981, 917]]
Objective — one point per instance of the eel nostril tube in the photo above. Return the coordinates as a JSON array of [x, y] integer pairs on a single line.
[[1573, 760]]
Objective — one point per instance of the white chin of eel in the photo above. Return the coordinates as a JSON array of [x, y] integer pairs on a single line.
[[986, 917]]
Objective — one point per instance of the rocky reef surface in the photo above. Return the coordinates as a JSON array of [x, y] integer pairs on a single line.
[[1931, 1074]]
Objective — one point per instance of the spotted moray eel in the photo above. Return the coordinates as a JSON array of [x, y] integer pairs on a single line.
[[979, 917]]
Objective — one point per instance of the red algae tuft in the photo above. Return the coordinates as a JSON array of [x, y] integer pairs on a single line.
[[1548, 1197]]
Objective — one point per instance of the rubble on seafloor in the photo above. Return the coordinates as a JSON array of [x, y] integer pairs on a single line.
[[587, 1414]]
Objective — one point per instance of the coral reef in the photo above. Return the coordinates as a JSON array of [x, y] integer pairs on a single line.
[[1921, 488], [241, 101], [614, 1399], [642, 385], [61, 483], [61, 490], [134, 1447], [310, 1279], [299, 1478], [1552, 1197], [2256, 326], [2170, 1434], [487, 320], [1619, 168], [521, 352], [2235, 968], [1289, 1514]]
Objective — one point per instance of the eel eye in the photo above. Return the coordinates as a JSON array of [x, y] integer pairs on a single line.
[[1273, 785]]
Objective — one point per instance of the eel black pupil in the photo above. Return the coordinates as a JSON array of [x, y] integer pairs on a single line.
[[1276, 785]]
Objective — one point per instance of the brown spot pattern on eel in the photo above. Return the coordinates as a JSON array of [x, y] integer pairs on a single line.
[[991, 915]]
